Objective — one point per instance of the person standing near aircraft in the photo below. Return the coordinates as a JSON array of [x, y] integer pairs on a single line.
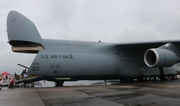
[[1, 82], [25, 75], [12, 83], [16, 76]]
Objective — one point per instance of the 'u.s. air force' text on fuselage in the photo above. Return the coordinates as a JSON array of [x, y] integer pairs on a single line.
[[70, 56]]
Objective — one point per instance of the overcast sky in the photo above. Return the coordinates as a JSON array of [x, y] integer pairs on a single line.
[[91, 20]]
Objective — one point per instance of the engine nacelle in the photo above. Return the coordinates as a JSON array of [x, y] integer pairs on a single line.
[[160, 58]]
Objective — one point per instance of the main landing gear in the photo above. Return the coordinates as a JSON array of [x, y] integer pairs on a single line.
[[59, 83], [159, 78], [152, 78]]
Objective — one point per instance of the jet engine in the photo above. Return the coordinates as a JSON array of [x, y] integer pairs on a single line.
[[160, 58]]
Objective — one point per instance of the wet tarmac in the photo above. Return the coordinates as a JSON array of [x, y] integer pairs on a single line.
[[163, 93]]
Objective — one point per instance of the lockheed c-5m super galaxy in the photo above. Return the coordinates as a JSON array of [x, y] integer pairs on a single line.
[[61, 60]]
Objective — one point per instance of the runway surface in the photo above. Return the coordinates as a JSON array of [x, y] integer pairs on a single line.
[[165, 93]]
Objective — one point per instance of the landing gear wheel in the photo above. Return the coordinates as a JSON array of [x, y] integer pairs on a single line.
[[59, 83], [175, 77], [166, 77], [162, 78], [147, 78], [143, 78], [156, 78], [131, 80]]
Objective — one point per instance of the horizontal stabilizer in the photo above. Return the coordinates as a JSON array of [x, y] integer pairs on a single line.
[[23, 35]]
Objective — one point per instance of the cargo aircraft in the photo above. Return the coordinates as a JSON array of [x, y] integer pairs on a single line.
[[63, 60]]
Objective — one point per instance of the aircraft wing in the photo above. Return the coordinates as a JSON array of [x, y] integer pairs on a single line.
[[143, 46]]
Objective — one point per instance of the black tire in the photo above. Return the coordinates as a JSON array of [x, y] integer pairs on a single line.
[[156, 78], [175, 77], [147, 78], [166, 77], [59, 83]]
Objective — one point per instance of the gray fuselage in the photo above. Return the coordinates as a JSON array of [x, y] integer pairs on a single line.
[[86, 60]]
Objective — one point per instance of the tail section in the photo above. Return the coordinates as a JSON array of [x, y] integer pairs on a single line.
[[22, 34]]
